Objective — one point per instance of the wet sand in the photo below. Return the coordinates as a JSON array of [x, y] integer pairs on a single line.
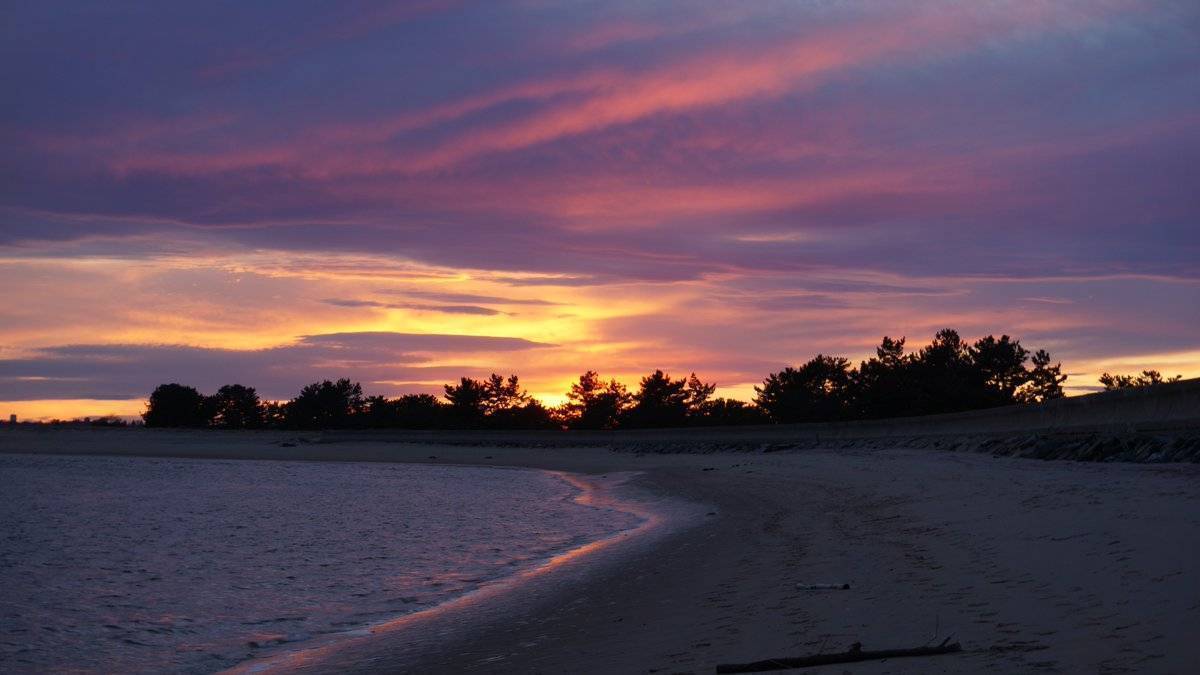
[[1033, 566]]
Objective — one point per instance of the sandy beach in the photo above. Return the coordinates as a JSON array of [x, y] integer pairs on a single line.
[[1031, 565]]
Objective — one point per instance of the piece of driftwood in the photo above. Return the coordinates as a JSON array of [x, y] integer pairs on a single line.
[[855, 653], [823, 587]]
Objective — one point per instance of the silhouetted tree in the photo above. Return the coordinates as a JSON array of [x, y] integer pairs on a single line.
[[1044, 382], [235, 407], [946, 376], [1148, 378], [659, 402], [594, 404], [997, 371], [531, 415], [496, 403], [942, 375], [698, 400], [730, 412], [378, 413], [882, 387], [275, 414], [176, 405], [420, 411], [504, 394], [815, 392], [469, 401], [326, 405]]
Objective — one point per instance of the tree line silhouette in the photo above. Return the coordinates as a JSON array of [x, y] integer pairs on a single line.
[[1148, 378], [948, 375]]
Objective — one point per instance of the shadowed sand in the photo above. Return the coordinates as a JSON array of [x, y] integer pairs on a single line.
[[1033, 566]]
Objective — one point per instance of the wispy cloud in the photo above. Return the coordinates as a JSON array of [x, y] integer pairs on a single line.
[[127, 371], [447, 309]]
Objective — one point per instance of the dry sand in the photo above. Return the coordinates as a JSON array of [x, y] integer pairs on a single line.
[[1031, 565]]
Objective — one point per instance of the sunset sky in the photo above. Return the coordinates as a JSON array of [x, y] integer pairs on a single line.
[[402, 193]]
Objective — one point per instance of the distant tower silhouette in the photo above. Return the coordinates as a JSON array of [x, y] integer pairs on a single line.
[[12, 419]]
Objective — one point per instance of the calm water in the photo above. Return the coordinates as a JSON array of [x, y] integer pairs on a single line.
[[133, 564]]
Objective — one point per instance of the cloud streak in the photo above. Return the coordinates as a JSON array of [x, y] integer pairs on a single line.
[[446, 309], [129, 371]]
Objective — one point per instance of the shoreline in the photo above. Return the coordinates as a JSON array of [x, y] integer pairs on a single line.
[[594, 492], [609, 492], [1049, 565]]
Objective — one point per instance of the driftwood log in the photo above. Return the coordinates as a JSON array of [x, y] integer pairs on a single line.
[[855, 653]]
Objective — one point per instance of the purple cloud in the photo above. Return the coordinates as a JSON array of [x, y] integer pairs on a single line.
[[124, 371]]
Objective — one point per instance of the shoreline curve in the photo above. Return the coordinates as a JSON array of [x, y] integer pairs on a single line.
[[655, 514]]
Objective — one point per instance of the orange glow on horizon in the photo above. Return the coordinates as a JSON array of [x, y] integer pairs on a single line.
[[710, 326], [68, 409]]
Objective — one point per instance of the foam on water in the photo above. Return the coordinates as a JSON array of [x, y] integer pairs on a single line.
[[139, 564]]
